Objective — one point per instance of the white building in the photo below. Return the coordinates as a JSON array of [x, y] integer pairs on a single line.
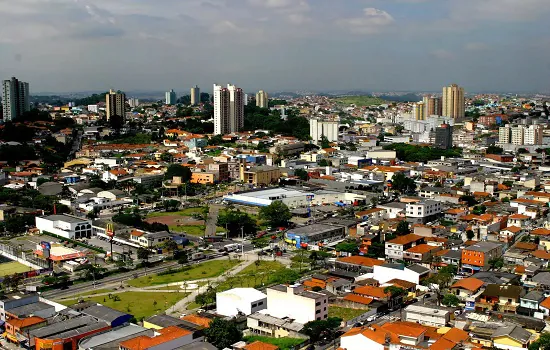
[[93, 108], [424, 211], [427, 316], [262, 100], [228, 109], [521, 135], [240, 300], [66, 226], [388, 272], [170, 97], [319, 128], [296, 303], [15, 98]]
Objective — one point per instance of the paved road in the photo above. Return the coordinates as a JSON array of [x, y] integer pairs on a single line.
[[212, 220]]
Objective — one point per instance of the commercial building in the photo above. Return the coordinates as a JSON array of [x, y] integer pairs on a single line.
[[14, 300], [427, 316], [149, 239], [259, 175], [262, 99], [432, 106], [171, 97], [15, 98], [412, 273], [64, 225], [270, 326], [111, 339], [477, 256], [294, 302], [319, 128], [228, 109], [444, 136], [195, 95], [169, 338], [315, 234], [236, 301], [115, 104], [454, 104], [419, 111]]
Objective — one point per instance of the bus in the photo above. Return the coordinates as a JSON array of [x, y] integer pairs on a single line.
[[232, 247]]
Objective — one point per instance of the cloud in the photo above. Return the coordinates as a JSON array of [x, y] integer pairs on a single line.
[[442, 54], [372, 21], [499, 10], [475, 46]]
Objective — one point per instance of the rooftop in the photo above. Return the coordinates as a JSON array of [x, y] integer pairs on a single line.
[[483, 247]]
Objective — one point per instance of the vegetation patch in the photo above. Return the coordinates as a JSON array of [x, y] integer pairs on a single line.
[[345, 313], [282, 343]]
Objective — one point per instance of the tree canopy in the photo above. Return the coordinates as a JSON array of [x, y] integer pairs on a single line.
[[413, 153], [402, 183], [222, 334], [178, 170], [277, 214]]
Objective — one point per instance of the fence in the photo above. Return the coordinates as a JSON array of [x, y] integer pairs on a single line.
[[16, 254]]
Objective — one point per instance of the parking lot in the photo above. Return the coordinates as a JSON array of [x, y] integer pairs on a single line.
[[106, 245]]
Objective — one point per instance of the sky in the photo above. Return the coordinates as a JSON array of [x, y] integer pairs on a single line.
[[289, 45]]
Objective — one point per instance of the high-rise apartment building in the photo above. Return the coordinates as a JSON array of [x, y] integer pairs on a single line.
[[262, 99], [432, 106], [228, 109], [520, 135], [171, 97], [533, 135], [133, 102], [115, 104], [444, 136], [327, 128], [195, 95], [15, 98], [504, 134], [419, 111], [454, 104]]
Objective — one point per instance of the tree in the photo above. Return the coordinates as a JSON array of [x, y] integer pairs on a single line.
[[277, 214], [470, 200], [394, 291], [450, 300], [439, 283], [178, 170], [348, 247], [316, 330], [166, 157], [183, 258], [543, 343], [494, 150], [143, 254], [170, 245], [402, 183], [470, 235], [171, 205], [325, 162], [496, 263], [522, 150], [302, 174], [222, 334], [402, 228], [325, 143]]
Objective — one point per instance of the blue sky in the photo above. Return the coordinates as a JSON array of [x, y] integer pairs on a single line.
[[377, 45]]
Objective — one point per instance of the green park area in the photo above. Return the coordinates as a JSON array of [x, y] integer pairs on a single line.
[[139, 304], [345, 313], [193, 230], [282, 343], [9, 268], [184, 212], [204, 270], [360, 101]]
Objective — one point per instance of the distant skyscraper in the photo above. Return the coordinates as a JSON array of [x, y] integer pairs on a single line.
[[262, 99], [418, 111], [195, 95], [444, 136], [115, 104], [133, 102], [15, 98], [453, 102], [171, 97], [432, 106], [327, 128], [228, 109]]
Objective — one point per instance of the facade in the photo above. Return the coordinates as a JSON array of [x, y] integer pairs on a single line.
[[149, 239], [319, 128], [419, 111], [259, 175], [228, 109], [444, 136], [171, 97], [15, 98], [423, 212], [395, 248], [195, 95], [476, 257], [314, 234], [427, 316], [521, 135], [432, 106], [262, 99], [240, 301], [115, 104], [454, 104], [269, 326], [296, 303], [64, 225]]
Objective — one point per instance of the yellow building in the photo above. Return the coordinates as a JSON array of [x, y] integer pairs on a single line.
[[259, 175], [454, 104], [419, 111], [203, 178]]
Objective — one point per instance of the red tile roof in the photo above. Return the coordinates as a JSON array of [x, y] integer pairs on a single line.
[[361, 260], [144, 342], [472, 284]]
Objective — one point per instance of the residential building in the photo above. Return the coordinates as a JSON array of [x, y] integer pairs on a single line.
[[466, 287], [319, 128], [505, 134], [170, 97], [15, 98], [115, 104], [262, 99], [270, 326], [419, 111], [395, 248], [132, 102], [504, 298], [420, 254], [195, 95], [477, 256], [149, 239], [423, 211], [65, 225], [259, 175], [432, 106], [412, 273], [444, 136], [520, 135], [294, 302], [453, 101], [228, 109], [429, 316], [237, 301], [512, 337]]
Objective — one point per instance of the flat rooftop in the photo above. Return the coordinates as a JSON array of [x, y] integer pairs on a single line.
[[312, 229], [66, 218], [273, 192]]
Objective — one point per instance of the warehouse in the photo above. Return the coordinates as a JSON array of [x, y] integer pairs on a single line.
[[315, 234]]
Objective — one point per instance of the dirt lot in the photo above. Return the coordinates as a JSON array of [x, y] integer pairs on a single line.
[[175, 220]]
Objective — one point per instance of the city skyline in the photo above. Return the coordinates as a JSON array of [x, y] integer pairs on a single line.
[[372, 45]]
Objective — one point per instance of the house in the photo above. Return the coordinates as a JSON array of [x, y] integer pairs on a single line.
[[373, 214], [169, 338], [393, 209], [429, 316], [420, 254], [529, 303], [511, 338], [455, 214], [378, 294], [270, 326], [149, 239], [477, 256], [295, 302], [449, 257], [237, 301], [259, 345], [466, 287], [412, 273], [356, 263], [544, 307], [451, 340], [395, 248], [505, 298], [372, 338], [518, 220]]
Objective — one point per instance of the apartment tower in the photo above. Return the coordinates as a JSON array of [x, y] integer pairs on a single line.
[[262, 99], [432, 106], [195, 95], [171, 97], [15, 98], [419, 111], [115, 104], [228, 109], [453, 102]]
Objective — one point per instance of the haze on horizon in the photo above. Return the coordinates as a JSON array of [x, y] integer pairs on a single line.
[[380, 45]]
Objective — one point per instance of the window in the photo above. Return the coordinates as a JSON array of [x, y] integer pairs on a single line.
[[317, 312], [318, 303], [260, 303], [325, 308]]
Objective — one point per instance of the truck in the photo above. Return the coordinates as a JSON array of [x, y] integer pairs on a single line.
[[231, 247]]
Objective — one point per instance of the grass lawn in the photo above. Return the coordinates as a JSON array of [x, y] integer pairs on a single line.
[[193, 230], [360, 101], [9, 268], [184, 212], [204, 270], [92, 292], [344, 313], [139, 304], [282, 343]]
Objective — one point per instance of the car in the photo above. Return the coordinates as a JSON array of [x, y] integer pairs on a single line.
[[371, 318], [427, 295]]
